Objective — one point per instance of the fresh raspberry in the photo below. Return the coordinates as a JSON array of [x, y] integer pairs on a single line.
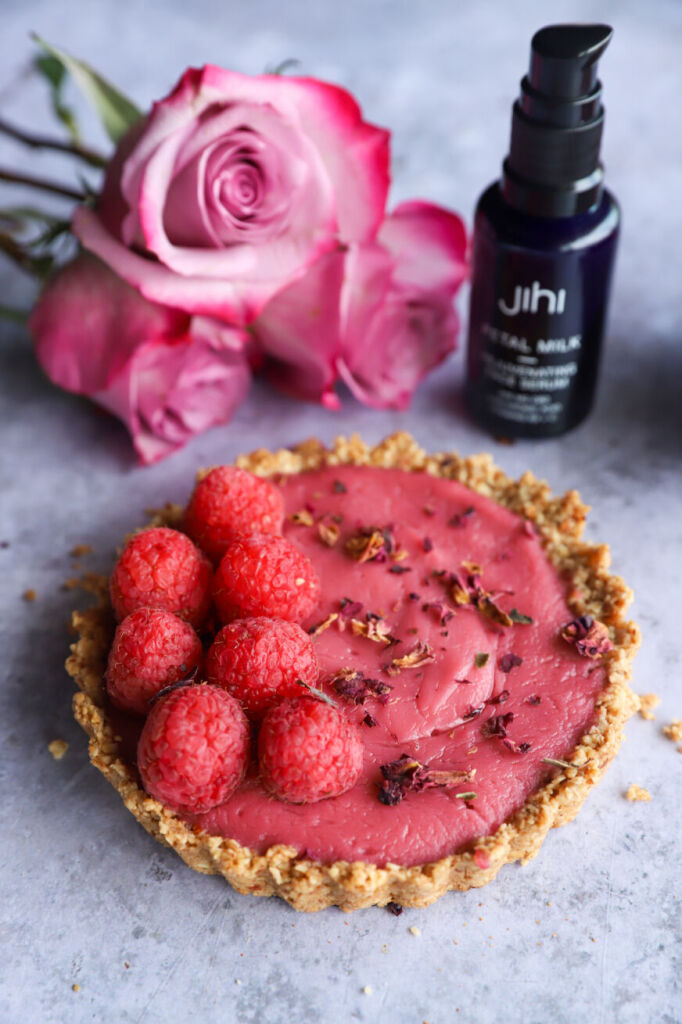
[[260, 660], [151, 650], [308, 750], [194, 748], [228, 503], [265, 575], [161, 568]]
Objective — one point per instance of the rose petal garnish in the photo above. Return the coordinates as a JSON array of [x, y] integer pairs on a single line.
[[420, 654], [356, 687], [348, 610], [462, 518], [501, 698], [589, 637], [374, 628], [370, 544], [510, 661], [302, 518], [406, 774], [328, 532], [496, 725], [325, 624]]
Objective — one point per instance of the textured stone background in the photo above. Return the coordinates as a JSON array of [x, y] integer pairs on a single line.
[[592, 928]]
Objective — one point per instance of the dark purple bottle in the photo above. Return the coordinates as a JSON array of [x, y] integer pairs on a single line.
[[543, 249]]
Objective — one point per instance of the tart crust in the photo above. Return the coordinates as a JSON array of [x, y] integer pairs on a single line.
[[307, 884]]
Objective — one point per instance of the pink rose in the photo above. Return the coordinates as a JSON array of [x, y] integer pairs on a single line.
[[167, 375], [378, 315], [233, 187]]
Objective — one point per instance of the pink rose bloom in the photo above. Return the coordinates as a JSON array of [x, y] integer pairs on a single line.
[[233, 187], [377, 315], [167, 375]]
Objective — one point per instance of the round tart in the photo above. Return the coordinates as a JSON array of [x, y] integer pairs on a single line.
[[478, 646]]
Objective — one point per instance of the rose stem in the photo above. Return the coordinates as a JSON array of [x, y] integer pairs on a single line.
[[41, 183], [45, 142]]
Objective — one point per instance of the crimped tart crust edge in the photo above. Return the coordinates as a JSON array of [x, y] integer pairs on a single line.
[[306, 884]]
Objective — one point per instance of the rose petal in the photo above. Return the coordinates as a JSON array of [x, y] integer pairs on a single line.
[[392, 338], [299, 332], [87, 322], [384, 362], [202, 295], [170, 390], [428, 244]]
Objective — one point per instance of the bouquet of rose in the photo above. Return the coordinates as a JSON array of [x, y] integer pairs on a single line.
[[242, 224]]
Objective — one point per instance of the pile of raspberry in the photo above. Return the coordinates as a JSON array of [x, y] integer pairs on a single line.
[[208, 692]]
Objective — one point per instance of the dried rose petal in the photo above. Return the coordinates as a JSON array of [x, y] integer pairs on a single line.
[[328, 532], [502, 698], [407, 774], [516, 748], [354, 686], [302, 518], [510, 661], [496, 725], [348, 609], [461, 518], [374, 628], [589, 637], [420, 654], [371, 544], [325, 624]]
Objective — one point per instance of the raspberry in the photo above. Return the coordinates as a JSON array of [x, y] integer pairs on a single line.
[[307, 751], [260, 660], [151, 650], [265, 575], [228, 503], [161, 568], [194, 748]]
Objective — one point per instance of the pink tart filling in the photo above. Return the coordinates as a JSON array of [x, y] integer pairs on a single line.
[[468, 692]]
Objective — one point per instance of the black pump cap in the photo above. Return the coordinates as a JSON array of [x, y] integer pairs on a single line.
[[553, 167]]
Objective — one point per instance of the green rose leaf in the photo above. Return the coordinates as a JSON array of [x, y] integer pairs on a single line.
[[116, 112]]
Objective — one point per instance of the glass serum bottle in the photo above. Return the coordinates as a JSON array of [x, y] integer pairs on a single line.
[[544, 243]]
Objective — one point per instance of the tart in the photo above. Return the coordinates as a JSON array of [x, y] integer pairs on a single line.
[[502, 655]]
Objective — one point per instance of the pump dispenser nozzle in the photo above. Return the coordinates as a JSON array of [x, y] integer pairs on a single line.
[[553, 167]]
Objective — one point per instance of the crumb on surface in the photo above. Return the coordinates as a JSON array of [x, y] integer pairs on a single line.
[[367, 990], [637, 794], [58, 748], [79, 550], [414, 930], [674, 732], [75, 988], [29, 595], [647, 703]]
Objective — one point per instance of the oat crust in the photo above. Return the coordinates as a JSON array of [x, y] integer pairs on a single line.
[[306, 884]]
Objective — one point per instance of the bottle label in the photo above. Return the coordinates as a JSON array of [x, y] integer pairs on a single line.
[[534, 336], [529, 376]]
